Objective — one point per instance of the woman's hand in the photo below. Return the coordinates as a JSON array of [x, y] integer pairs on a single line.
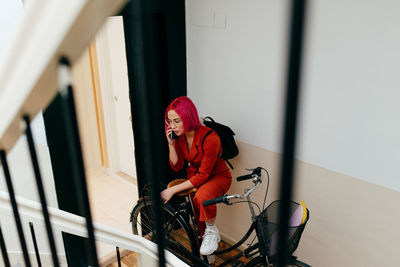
[[167, 194], [168, 134]]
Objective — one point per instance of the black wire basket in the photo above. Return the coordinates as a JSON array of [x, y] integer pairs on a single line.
[[267, 224]]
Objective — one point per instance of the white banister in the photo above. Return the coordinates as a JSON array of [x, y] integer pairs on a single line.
[[73, 224], [47, 30]]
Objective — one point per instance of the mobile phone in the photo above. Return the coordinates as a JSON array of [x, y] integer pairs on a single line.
[[173, 135]]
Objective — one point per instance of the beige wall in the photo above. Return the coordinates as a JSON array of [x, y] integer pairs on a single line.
[[352, 222], [86, 111]]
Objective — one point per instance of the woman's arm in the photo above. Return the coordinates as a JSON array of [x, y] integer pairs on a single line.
[[167, 194], [176, 164], [173, 155]]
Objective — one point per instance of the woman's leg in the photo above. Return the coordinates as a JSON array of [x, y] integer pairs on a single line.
[[213, 188], [211, 221]]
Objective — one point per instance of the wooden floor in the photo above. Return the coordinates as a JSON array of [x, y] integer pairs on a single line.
[[129, 260], [221, 258], [180, 236]]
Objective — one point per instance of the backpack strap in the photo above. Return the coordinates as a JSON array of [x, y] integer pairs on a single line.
[[219, 155], [204, 138], [230, 165]]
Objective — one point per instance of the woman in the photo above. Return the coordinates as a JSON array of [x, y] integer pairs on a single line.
[[206, 171]]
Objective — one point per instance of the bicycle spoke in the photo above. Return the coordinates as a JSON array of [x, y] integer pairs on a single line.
[[169, 223], [174, 229], [144, 221]]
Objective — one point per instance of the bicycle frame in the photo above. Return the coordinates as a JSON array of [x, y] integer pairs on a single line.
[[187, 207], [185, 213]]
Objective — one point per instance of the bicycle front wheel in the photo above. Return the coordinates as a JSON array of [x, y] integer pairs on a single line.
[[179, 236], [260, 261]]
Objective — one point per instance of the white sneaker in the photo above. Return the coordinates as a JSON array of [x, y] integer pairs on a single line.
[[210, 241], [211, 258]]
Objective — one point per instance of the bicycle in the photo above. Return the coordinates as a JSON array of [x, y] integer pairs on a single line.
[[183, 238]]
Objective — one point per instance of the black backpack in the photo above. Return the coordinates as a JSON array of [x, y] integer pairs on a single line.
[[229, 147]]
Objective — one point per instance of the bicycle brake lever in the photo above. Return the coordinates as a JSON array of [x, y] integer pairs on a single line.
[[256, 171], [226, 200]]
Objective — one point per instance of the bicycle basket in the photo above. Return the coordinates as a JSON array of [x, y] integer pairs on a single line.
[[267, 229]]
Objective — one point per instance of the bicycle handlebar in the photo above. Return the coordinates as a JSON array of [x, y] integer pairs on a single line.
[[215, 201], [244, 177], [256, 174]]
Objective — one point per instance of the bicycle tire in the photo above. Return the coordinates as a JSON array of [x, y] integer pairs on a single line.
[[260, 261], [177, 232]]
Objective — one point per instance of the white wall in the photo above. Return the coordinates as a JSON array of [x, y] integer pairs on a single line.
[[348, 123], [10, 13], [348, 143], [110, 42], [235, 73], [351, 90]]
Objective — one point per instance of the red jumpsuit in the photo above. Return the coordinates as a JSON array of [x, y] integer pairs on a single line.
[[206, 171]]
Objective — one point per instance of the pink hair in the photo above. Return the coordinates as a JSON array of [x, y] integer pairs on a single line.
[[187, 111]]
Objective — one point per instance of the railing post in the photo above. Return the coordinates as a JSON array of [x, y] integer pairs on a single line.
[[35, 244], [118, 256], [4, 250], [73, 145], [15, 208], [40, 188], [292, 95], [68, 167]]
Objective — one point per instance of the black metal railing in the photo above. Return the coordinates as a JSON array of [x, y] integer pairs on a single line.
[[73, 143], [291, 111], [4, 250], [39, 184], [118, 256], [35, 244], [14, 206], [68, 112]]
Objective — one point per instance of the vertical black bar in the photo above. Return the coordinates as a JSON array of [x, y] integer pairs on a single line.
[[35, 244], [40, 188], [75, 152], [68, 169], [147, 82], [118, 257], [15, 208], [155, 43], [292, 95], [4, 250]]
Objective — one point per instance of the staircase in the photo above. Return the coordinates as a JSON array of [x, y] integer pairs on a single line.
[[36, 70]]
